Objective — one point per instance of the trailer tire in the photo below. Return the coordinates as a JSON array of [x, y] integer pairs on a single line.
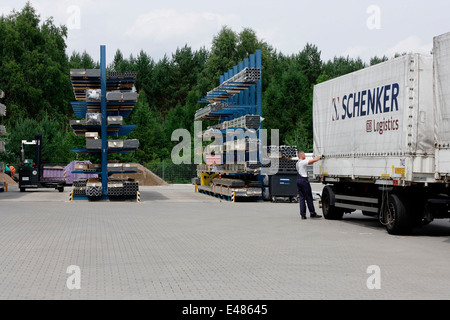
[[397, 220], [22, 189], [329, 210]]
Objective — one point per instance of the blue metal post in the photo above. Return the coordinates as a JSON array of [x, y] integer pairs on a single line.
[[252, 89], [246, 92], [104, 131], [259, 112], [241, 95], [259, 86]]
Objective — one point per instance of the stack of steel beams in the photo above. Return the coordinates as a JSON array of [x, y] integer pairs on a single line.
[[94, 188], [92, 144], [131, 144], [235, 183], [118, 120], [93, 119], [93, 95], [208, 110]]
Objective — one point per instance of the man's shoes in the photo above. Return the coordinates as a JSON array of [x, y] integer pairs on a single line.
[[316, 216], [304, 218]]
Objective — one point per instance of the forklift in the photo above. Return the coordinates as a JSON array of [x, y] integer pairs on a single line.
[[31, 169]]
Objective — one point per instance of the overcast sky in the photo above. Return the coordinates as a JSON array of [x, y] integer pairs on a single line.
[[344, 27]]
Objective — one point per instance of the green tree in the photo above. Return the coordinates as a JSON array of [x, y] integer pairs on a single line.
[[376, 60], [33, 65]]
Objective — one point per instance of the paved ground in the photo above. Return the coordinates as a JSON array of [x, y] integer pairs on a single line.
[[180, 245]]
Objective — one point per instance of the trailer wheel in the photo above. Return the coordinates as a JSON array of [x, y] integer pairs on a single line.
[[397, 220], [61, 189], [329, 210], [22, 189]]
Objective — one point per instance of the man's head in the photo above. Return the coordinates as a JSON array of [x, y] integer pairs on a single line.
[[301, 155]]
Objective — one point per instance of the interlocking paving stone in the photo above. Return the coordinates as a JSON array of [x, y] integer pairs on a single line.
[[177, 244]]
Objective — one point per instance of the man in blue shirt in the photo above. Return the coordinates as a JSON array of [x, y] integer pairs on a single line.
[[304, 187]]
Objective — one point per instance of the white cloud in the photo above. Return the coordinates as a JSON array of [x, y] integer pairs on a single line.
[[411, 44], [164, 24], [5, 10], [354, 52]]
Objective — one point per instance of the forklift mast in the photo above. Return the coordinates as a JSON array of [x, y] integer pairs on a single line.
[[38, 138]]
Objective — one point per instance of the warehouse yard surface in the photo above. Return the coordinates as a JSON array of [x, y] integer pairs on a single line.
[[177, 245]]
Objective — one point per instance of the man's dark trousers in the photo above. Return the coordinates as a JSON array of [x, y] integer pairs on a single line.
[[305, 194]]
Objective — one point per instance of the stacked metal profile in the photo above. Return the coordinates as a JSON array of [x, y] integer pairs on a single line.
[[118, 81], [115, 188], [237, 104], [120, 97], [79, 187], [284, 152], [130, 188], [94, 188], [208, 110], [285, 155], [245, 122], [246, 77]]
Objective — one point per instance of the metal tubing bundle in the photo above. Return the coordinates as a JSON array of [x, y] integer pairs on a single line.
[[247, 122], [130, 75], [289, 165], [130, 188], [79, 191], [285, 152], [115, 189], [288, 152], [252, 122], [80, 183], [115, 74]]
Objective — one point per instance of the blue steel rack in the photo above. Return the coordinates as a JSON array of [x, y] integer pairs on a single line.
[[239, 99], [106, 109]]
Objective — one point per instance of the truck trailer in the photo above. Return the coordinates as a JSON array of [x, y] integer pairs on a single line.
[[384, 132]]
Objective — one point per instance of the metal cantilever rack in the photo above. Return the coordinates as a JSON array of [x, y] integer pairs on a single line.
[[237, 104], [83, 80]]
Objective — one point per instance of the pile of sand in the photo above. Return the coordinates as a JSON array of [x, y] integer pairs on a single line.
[[5, 178], [144, 176]]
